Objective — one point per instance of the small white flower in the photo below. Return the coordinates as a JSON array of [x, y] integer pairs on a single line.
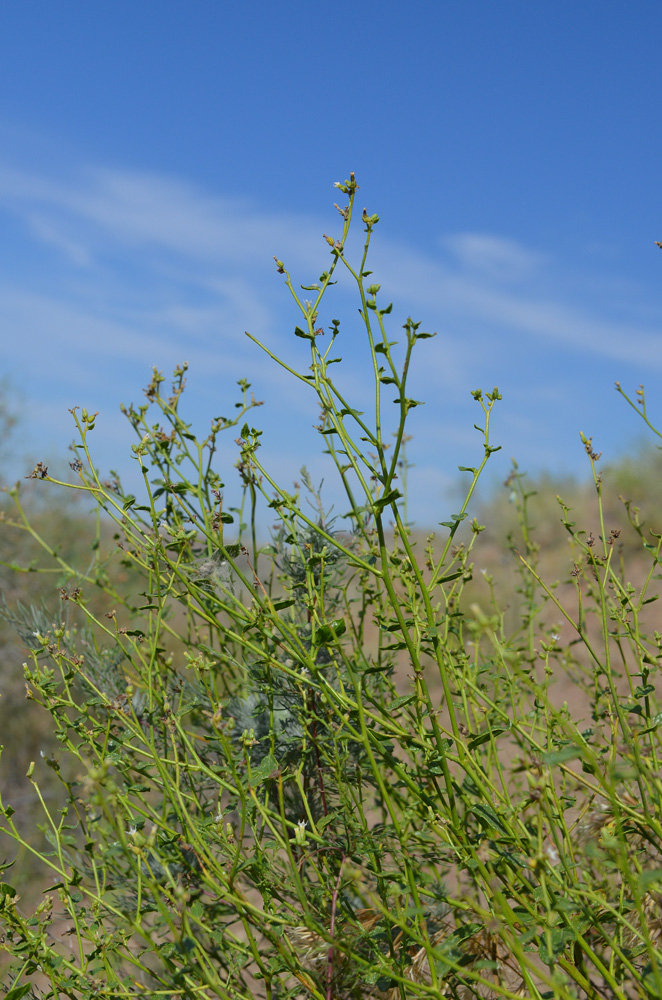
[[552, 854]]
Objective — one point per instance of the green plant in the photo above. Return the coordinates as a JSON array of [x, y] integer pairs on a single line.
[[313, 767]]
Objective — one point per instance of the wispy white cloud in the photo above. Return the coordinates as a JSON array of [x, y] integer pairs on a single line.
[[154, 271], [49, 232], [489, 256], [481, 276], [140, 209], [77, 346], [457, 296]]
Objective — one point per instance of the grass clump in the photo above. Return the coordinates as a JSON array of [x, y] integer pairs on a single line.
[[329, 766]]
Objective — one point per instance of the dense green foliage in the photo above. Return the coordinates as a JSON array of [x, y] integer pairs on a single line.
[[335, 765]]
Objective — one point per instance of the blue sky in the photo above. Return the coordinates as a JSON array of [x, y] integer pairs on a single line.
[[154, 158]]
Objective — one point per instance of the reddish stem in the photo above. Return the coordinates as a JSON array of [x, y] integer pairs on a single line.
[[334, 903]]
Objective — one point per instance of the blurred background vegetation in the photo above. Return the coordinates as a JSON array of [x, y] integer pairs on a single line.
[[30, 582], [30, 579]]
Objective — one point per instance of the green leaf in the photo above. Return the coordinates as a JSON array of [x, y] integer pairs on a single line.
[[298, 332], [399, 702], [281, 605], [16, 992], [410, 403], [232, 551], [564, 905], [559, 756], [476, 741], [657, 720], [558, 938], [646, 878], [385, 500], [454, 521], [329, 633], [329, 818], [264, 770], [129, 502], [486, 812]]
